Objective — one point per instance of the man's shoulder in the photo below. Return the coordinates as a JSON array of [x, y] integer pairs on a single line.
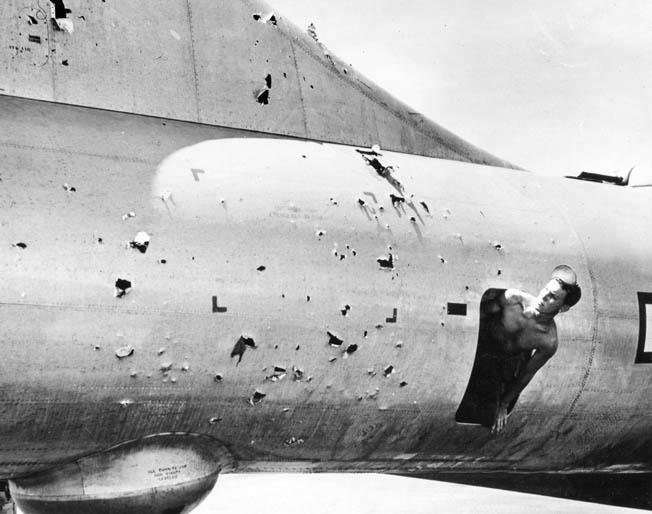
[[514, 296]]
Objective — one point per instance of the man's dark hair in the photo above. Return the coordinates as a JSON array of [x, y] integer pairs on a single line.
[[573, 292]]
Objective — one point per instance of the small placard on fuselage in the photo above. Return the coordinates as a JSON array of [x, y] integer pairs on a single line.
[[456, 309]]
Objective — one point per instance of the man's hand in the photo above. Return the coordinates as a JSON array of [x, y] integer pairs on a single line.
[[500, 420]]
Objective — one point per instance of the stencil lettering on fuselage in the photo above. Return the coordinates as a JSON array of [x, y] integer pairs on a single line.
[[644, 352]]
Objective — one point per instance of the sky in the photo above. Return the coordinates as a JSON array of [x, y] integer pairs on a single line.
[[557, 87]]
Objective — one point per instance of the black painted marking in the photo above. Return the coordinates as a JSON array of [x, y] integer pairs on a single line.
[[393, 318], [456, 309], [642, 356], [195, 173], [34, 39], [217, 308]]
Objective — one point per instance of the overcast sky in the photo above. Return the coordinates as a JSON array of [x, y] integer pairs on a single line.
[[554, 86]]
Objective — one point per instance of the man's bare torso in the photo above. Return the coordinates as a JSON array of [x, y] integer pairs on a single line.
[[519, 331]]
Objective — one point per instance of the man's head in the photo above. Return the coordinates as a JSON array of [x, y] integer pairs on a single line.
[[561, 293]]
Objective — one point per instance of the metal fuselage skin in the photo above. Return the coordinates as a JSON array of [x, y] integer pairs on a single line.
[[271, 239]]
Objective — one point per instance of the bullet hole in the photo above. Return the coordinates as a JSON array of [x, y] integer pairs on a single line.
[[161, 351], [162, 261], [133, 374], [257, 397], [399, 344], [345, 310], [64, 62], [388, 371], [128, 215], [285, 75], [275, 347], [22, 246], [499, 272], [297, 374], [34, 39], [441, 259], [140, 242], [214, 421], [293, 441], [371, 372], [332, 359], [124, 351], [60, 11], [361, 202], [218, 377], [386, 262], [403, 383], [413, 219], [185, 367], [122, 287], [333, 201], [467, 288], [297, 348], [278, 374], [69, 188], [268, 81], [443, 324], [342, 257], [498, 246], [333, 340], [267, 18], [241, 346], [307, 298], [396, 200], [321, 233], [425, 207], [165, 367], [365, 333], [125, 403], [263, 97], [379, 326], [351, 349], [261, 268], [97, 347]]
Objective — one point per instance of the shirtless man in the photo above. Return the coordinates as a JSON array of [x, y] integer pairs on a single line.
[[525, 325]]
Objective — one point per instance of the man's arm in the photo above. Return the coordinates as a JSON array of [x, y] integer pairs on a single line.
[[540, 357], [495, 305]]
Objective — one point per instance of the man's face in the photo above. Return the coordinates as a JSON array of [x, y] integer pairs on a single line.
[[551, 298]]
